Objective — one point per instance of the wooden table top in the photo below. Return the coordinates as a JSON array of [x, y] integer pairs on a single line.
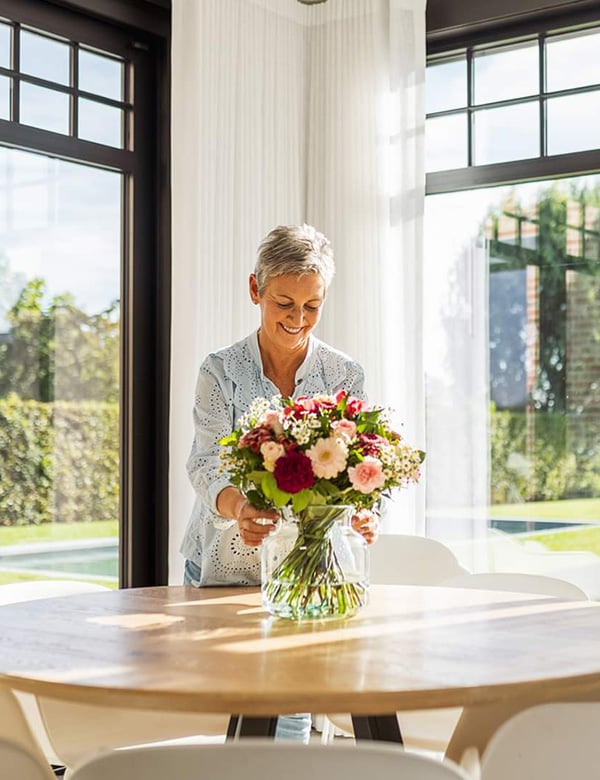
[[217, 650]]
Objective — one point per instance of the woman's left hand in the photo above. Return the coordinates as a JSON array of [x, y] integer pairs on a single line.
[[367, 525]]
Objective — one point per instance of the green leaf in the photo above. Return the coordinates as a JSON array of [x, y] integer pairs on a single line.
[[324, 488], [257, 499], [257, 477], [272, 492], [302, 499]]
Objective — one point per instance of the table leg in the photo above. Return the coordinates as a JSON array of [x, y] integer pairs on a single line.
[[244, 726], [379, 727]]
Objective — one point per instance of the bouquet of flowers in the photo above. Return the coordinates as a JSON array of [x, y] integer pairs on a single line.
[[310, 457]]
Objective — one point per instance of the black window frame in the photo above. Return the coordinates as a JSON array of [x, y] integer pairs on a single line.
[[139, 31], [462, 26]]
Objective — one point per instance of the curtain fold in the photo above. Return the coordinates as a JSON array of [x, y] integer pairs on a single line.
[[284, 113]]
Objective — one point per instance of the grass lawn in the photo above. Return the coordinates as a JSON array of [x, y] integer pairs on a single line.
[[581, 539], [584, 509], [581, 509], [58, 532], [6, 577]]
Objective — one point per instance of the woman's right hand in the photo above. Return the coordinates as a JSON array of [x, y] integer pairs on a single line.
[[254, 524]]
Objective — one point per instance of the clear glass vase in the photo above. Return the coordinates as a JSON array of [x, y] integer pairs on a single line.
[[315, 565]]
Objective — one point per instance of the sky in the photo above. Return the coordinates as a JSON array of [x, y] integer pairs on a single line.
[[60, 221]]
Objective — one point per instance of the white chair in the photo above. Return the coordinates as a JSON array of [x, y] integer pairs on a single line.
[[403, 559], [69, 732], [477, 724], [18, 763], [19, 748], [518, 583], [256, 759], [545, 742]]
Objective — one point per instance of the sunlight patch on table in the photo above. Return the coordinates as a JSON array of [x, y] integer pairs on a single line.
[[138, 622]]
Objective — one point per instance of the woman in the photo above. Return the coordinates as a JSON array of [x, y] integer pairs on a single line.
[[289, 284]]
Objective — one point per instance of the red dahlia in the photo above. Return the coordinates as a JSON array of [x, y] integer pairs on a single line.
[[293, 472]]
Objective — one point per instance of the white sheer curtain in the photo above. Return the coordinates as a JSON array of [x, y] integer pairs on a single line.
[[284, 113]]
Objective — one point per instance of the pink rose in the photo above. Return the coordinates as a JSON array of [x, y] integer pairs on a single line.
[[367, 476], [273, 421], [344, 428], [271, 451]]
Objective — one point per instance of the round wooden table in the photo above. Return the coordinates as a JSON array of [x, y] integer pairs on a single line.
[[217, 650]]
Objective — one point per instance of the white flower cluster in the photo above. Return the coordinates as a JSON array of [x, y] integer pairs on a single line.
[[257, 410], [301, 430]]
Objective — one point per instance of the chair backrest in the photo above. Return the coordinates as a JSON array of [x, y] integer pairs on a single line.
[[519, 583], [19, 763], [403, 559], [546, 742], [256, 759], [14, 592]]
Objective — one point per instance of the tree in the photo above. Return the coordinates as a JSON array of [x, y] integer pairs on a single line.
[[59, 352]]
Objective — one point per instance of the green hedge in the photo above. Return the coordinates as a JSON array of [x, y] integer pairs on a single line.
[[58, 461], [549, 469]]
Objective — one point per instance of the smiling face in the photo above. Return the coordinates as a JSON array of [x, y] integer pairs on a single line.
[[290, 308]]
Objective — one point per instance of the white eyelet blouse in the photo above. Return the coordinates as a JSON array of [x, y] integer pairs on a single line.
[[228, 381]]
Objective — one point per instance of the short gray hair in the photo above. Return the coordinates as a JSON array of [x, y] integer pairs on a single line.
[[293, 249]]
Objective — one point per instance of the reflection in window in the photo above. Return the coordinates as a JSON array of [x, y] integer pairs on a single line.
[[512, 296]]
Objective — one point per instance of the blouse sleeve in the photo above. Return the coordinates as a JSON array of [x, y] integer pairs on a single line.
[[354, 383], [213, 419]]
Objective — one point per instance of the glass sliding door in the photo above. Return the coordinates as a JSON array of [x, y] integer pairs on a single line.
[[513, 376], [60, 261]]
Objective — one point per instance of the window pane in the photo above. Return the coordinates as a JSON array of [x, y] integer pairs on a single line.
[[510, 133], [4, 97], [573, 61], [446, 143], [44, 108], [4, 46], [511, 73], [511, 360], [45, 58], [573, 123], [59, 368], [100, 75], [446, 86], [100, 123]]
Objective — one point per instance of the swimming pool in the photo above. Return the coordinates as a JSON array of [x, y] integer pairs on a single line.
[[98, 558]]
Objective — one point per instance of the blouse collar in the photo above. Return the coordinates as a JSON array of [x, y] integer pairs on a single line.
[[303, 368]]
